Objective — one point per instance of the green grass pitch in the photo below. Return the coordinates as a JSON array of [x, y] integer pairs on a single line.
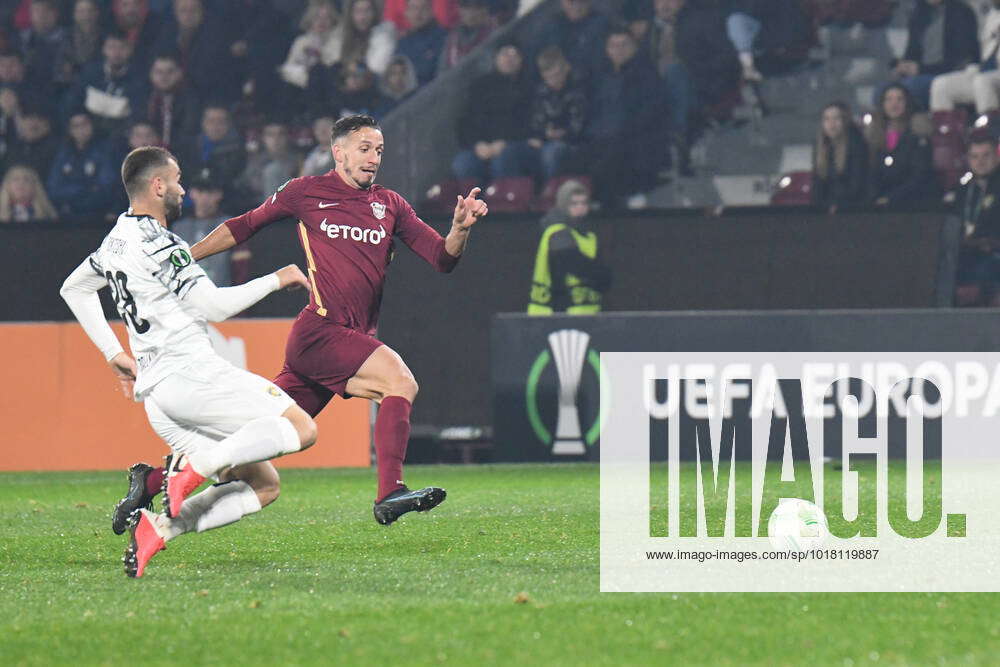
[[504, 572]]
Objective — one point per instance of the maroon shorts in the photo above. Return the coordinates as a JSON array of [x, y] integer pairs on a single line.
[[320, 357]]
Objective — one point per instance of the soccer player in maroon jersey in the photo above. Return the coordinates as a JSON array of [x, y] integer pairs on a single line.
[[347, 225]]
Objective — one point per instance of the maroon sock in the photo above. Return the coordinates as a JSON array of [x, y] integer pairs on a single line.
[[154, 481], [392, 432]]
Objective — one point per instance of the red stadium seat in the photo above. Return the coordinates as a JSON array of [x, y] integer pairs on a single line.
[[948, 142], [793, 189], [510, 195], [441, 196], [547, 199]]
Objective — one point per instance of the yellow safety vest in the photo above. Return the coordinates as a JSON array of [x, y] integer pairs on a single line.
[[583, 299]]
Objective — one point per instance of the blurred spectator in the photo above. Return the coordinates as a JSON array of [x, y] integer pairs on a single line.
[[22, 197], [899, 148], [345, 89], [626, 132], [142, 133], [207, 215], [558, 115], [780, 31], [41, 43], [569, 275], [35, 146], [320, 158], [10, 107], [171, 107], [82, 178], [473, 28], [978, 204], [579, 32], [275, 164], [942, 38], [423, 42], [12, 70], [84, 42], [109, 89], [319, 43], [493, 129], [840, 161], [445, 14], [204, 55], [140, 27], [977, 83], [217, 150], [260, 38], [398, 83], [365, 38]]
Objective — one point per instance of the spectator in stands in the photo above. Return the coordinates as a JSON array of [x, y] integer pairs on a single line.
[[12, 70], [10, 108], [901, 168], [171, 106], [558, 113], [142, 133], [319, 43], [423, 42], [140, 27], [35, 146], [626, 132], [82, 178], [474, 27], [41, 43], [218, 149], [345, 89], [578, 31], [398, 83], [109, 89], [320, 158], [84, 41], [779, 30], [445, 14], [942, 38], [569, 275], [840, 161], [493, 129], [365, 38], [260, 37], [275, 164], [977, 84], [204, 53], [978, 204], [207, 215], [22, 197]]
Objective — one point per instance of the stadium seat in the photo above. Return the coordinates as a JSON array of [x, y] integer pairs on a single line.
[[793, 189], [441, 196], [948, 142], [510, 195], [547, 199]]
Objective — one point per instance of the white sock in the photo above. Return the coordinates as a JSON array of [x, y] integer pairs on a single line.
[[259, 440], [216, 506]]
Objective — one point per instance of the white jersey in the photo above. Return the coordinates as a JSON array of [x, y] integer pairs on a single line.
[[150, 271]]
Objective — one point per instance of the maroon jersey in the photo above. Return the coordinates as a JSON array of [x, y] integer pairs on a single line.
[[347, 235]]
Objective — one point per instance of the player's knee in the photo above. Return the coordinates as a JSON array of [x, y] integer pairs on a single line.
[[268, 492], [405, 386], [307, 432]]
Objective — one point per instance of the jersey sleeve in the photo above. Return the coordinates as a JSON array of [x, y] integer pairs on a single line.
[[421, 238], [284, 203], [168, 259], [80, 293]]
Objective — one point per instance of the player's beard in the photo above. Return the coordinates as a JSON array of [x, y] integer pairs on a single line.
[[172, 207]]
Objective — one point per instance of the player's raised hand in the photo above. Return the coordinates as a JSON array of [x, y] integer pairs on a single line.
[[123, 366], [469, 209], [292, 277]]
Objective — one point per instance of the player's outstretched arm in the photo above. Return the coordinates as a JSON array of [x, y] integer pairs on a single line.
[[221, 303], [467, 211], [79, 291], [218, 240]]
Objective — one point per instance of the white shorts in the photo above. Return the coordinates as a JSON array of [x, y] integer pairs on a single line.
[[210, 400]]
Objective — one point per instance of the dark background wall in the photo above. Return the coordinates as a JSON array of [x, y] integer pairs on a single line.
[[440, 323]]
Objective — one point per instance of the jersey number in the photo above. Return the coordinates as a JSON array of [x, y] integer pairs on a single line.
[[125, 302]]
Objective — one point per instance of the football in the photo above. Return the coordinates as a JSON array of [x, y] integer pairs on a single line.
[[797, 525]]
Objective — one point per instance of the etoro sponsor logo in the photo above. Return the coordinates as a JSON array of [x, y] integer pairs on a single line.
[[362, 234]]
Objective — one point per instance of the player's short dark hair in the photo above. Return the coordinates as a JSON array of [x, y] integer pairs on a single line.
[[139, 163], [348, 124], [983, 137]]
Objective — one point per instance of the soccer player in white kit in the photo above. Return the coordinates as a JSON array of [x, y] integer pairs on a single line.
[[220, 421]]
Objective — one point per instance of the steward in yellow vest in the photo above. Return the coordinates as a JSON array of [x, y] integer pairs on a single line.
[[569, 276]]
